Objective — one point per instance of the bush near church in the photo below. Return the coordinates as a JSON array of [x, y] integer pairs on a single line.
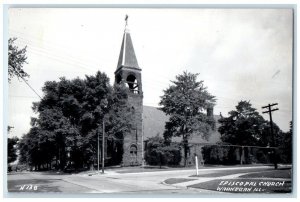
[[160, 153], [232, 155]]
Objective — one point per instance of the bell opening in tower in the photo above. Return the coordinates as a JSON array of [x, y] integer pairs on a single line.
[[132, 84]]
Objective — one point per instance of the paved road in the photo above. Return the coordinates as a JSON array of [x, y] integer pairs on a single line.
[[102, 183], [110, 182]]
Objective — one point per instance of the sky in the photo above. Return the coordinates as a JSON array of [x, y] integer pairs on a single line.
[[240, 54]]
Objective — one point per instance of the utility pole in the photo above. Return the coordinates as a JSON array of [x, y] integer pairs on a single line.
[[270, 110], [98, 150], [143, 143], [103, 144]]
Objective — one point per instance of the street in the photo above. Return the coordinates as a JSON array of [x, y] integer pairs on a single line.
[[101, 183], [113, 181]]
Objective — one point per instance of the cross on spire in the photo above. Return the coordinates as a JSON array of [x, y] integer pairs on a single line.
[[126, 20]]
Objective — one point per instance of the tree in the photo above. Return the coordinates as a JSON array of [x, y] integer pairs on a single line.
[[243, 126], [70, 118], [16, 59], [285, 145], [11, 149], [30, 149], [185, 101]]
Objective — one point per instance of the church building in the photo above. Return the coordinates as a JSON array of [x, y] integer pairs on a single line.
[[148, 121]]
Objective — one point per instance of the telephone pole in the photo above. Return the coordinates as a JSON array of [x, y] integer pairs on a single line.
[[270, 110], [103, 144]]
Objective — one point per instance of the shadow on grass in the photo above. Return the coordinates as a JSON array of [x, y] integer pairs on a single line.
[[280, 173], [230, 172], [177, 180]]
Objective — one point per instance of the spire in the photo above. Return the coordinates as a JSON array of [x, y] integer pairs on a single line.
[[127, 56]]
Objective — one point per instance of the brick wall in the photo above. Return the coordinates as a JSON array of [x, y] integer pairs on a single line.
[[132, 146]]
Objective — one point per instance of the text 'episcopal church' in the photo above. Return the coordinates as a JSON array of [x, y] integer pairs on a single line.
[[148, 121]]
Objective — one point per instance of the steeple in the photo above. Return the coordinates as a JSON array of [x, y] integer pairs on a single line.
[[127, 56], [130, 74]]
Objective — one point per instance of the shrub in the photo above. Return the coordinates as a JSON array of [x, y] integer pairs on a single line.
[[218, 155], [160, 153]]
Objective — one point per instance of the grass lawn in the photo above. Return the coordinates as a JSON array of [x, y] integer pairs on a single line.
[[230, 172], [166, 168], [280, 173], [257, 186], [177, 180], [251, 182]]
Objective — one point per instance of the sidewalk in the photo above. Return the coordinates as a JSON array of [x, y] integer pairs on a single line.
[[140, 170], [167, 181]]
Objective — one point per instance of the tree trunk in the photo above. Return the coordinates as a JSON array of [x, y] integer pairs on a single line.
[[159, 160], [185, 146], [242, 155], [56, 162]]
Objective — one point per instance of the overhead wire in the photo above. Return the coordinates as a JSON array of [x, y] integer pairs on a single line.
[[153, 83], [26, 82]]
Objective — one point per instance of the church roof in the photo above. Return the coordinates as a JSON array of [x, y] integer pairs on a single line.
[[127, 56], [154, 124]]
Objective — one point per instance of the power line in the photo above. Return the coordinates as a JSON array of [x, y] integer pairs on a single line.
[[26, 82], [51, 54], [22, 96], [230, 145]]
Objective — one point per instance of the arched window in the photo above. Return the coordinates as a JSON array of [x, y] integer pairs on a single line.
[[133, 154], [132, 84], [133, 150]]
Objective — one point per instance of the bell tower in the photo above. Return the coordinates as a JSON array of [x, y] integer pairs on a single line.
[[129, 73]]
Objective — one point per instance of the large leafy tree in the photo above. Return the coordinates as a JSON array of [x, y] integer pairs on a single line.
[[285, 144], [32, 149], [12, 149], [16, 59], [186, 101], [243, 126], [70, 118]]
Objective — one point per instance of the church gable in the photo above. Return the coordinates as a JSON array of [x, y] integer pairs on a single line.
[[154, 124]]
